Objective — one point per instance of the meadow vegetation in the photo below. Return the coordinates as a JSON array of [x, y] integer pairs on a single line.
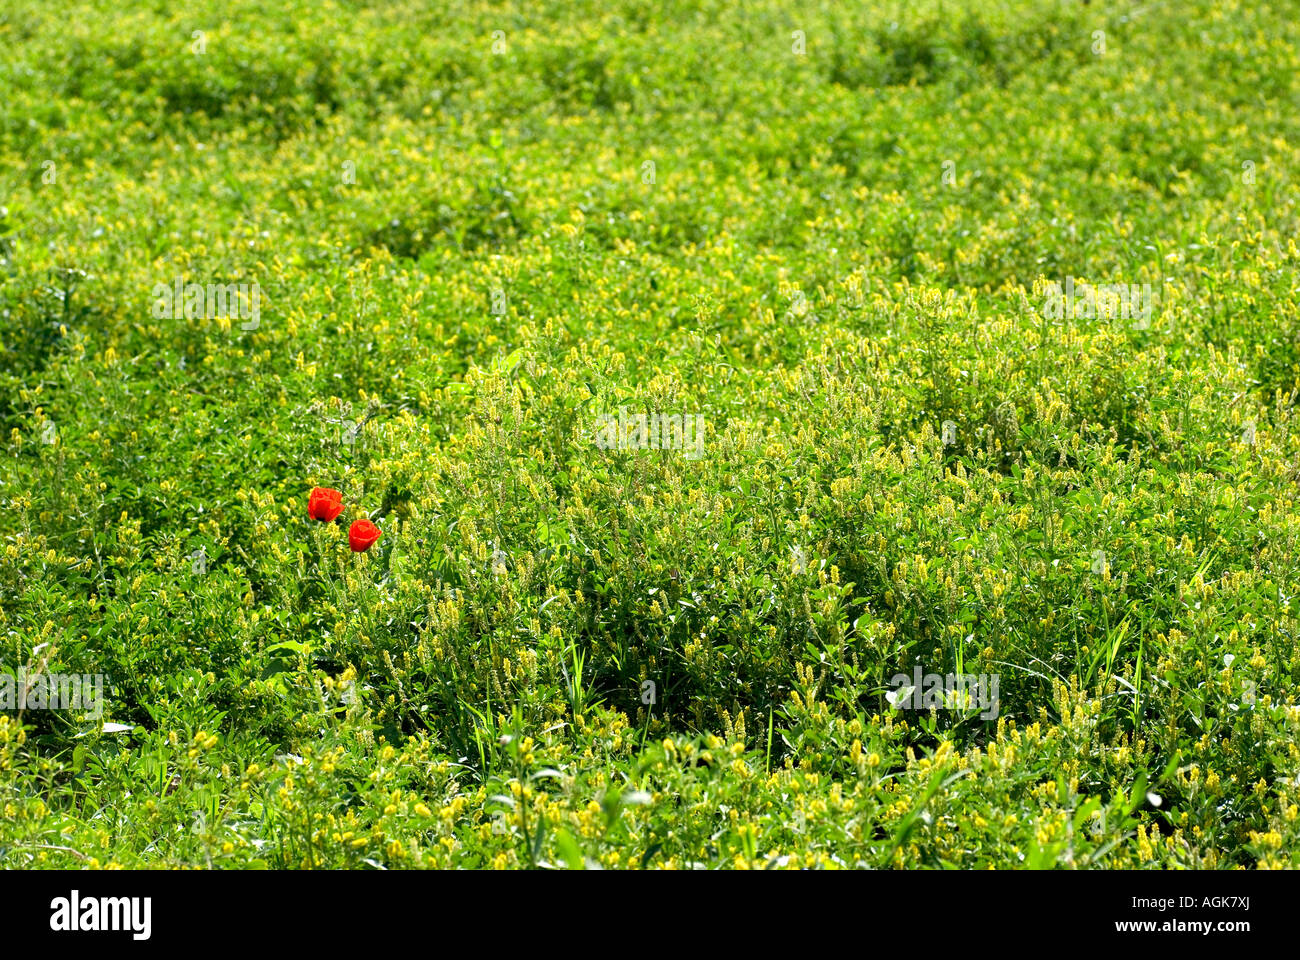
[[478, 228]]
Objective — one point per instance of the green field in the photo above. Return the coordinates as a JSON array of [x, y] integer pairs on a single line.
[[965, 339]]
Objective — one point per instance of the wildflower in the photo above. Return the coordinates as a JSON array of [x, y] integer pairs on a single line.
[[362, 536], [324, 504]]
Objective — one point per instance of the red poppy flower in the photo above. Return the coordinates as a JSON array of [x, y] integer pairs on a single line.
[[325, 503], [363, 535]]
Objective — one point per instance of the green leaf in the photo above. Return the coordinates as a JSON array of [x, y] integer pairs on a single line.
[[568, 848]]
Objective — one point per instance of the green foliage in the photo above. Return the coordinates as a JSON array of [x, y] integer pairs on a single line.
[[565, 656]]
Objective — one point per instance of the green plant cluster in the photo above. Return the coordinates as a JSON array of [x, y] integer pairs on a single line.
[[476, 228]]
